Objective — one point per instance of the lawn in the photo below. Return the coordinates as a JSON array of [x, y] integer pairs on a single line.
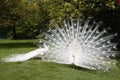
[[35, 69]]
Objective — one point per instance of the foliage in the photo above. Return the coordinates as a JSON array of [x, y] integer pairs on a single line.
[[19, 14], [29, 18], [102, 10]]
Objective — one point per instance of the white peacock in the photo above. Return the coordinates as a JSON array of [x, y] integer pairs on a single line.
[[75, 42]]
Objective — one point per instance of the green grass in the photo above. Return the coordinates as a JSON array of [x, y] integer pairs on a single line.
[[36, 69]]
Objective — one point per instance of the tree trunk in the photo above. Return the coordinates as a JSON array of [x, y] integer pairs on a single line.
[[14, 32]]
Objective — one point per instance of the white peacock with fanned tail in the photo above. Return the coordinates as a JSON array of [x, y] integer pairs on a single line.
[[76, 42]]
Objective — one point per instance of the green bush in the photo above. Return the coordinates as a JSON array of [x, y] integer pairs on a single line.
[[29, 18]]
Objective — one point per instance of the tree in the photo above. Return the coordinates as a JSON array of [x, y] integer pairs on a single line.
[[26, 18], [16, 14]]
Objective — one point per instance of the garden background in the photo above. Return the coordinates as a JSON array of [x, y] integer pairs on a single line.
[[22, 23]]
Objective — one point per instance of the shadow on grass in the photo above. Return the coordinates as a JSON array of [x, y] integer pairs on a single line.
[[17, 45], [74, 67], [71, 66]]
